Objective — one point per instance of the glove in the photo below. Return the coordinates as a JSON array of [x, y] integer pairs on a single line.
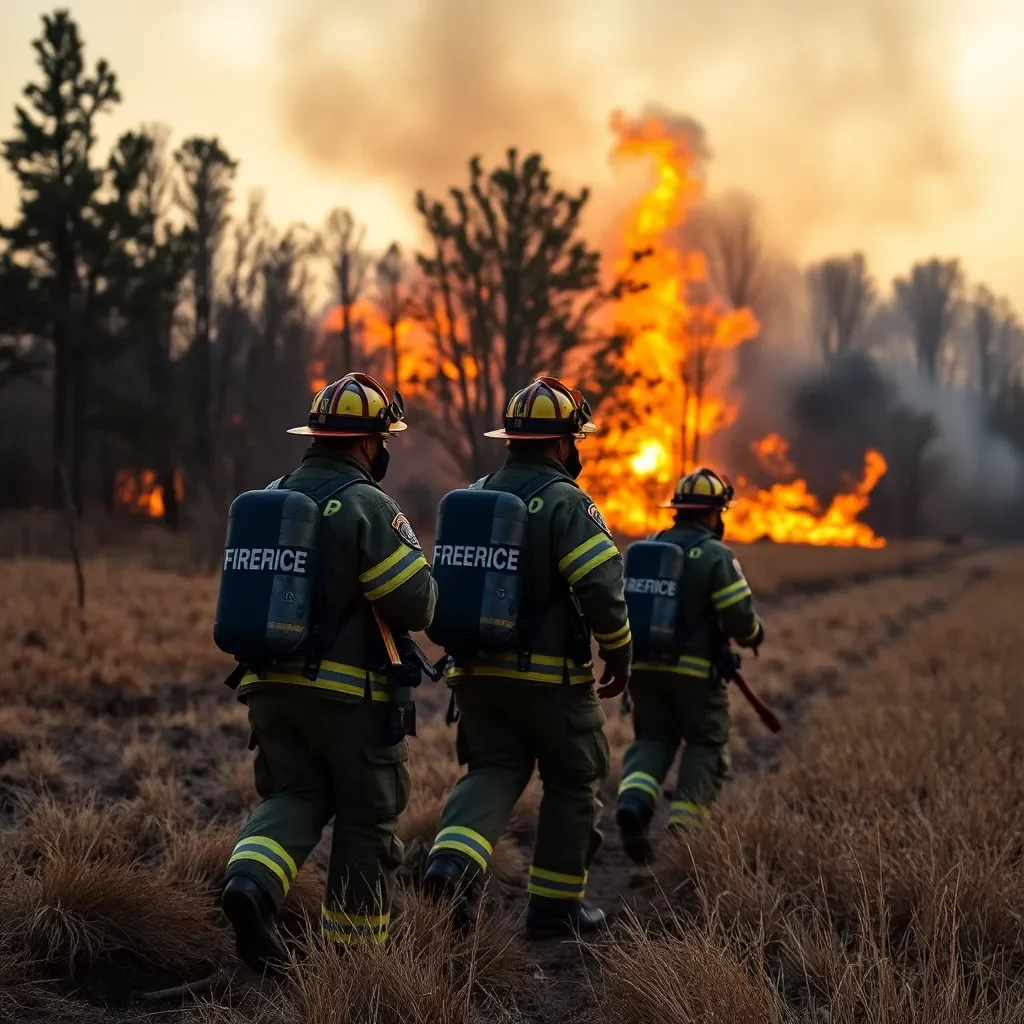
[[615, 677]]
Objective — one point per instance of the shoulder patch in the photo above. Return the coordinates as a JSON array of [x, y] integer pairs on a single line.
[[736, 565], [404, 530], [695, 552], [595, 513]]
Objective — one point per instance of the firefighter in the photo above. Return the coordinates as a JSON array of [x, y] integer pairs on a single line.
[[547, 716], [323, 744], [688, 702]]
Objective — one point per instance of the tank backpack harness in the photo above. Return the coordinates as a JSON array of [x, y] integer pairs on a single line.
[[272, 606], [654, 571], [481, 566]]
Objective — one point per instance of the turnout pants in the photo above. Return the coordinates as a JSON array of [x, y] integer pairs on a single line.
[[669, 710], [320, 759], [505, 730]]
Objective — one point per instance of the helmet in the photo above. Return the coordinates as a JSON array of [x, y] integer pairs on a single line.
[[703, 489], [543, 410], [355, 406]]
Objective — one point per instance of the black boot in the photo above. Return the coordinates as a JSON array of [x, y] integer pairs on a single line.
[[447, 879], [544, 921], [633, 818], [253, 916]]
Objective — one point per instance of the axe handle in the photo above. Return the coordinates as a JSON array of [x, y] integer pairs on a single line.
[[764, 712], [388, 637]]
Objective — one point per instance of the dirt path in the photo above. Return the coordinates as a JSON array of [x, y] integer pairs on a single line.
[[615, 883]]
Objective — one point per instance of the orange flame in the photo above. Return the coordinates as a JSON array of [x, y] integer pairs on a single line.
[[139, 492], [677, 363]]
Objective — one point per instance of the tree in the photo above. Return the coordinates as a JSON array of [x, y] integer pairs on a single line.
[[843, 295], [50, 155], [204, 195], [511, 292], [343, 243], [393, 301], [929, 298]]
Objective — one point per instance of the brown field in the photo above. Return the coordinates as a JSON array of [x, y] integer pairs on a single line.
[[863, 866]]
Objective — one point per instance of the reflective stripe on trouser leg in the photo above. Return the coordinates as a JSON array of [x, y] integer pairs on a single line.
[[685, 813], [466, 841], [642, 785], [554, 885], [266, 859], [345, 929]]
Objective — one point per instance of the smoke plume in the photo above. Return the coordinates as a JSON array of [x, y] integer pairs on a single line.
[[838, 116]]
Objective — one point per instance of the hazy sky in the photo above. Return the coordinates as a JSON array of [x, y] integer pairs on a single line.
[[895, 126]]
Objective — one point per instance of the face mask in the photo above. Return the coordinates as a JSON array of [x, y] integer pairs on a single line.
[[719, 528], [573, 462], [379, 463]]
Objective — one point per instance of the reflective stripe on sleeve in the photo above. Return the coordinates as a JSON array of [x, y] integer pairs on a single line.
[[465, 841], [730, 595], [750, 636], [611, 641], [389, 575], [555, 885], [587, 556]]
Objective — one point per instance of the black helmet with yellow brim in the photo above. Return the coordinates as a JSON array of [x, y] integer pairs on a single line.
[[702, 490], [355, 406], [545, 410]]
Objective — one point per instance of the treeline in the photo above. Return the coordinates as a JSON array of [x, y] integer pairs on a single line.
[[152, 319], [168, 332]]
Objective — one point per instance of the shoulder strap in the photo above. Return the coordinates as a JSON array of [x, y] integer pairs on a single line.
[[335, 485], [538, 483]]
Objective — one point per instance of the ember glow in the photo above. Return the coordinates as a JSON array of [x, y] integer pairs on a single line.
[[679, 362], [139, 492]]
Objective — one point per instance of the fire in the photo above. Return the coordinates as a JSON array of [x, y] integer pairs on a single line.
[[139, 492], [678, 362], [378, 347], [789, 514]]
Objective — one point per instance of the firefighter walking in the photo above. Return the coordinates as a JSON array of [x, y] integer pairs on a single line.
[[537, 708], [323, 742], [687, 701]]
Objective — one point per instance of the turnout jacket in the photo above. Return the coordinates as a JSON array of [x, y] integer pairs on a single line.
[[371, 559], [571, 557], [716, 600]]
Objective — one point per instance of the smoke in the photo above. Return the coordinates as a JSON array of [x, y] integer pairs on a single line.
[[839, 116]]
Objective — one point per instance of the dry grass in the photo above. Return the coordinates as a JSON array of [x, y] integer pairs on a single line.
[[877, 874], [872, 875]]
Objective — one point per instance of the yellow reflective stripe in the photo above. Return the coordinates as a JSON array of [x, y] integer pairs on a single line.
[[396, 556], [377, 938], [598, 559], [348, 920], [377, 694], [697, 667], [735, 599], [274, 847], [464, 840], [750, 636], [553, 894], [352, 670], [557, 876], [642, 781], [581, 550], [418, 563], [606, 638], [527, 677], [611, 646], [683, 810], [726, 591], [267, 862]]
